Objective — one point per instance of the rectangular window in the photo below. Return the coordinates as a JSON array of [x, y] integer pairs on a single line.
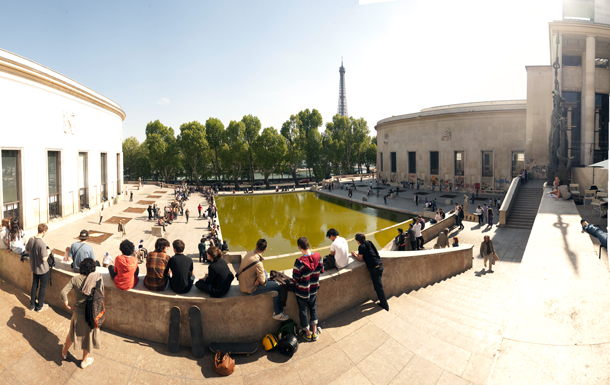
[[54, 177], [83, 198], [103, 176], [601, 127], [412, 162], [571, 61], [458, 163], [392, 161], [572, 112], [518, 163], [11, 184], [488, 164], [433, 162], [381, 160]]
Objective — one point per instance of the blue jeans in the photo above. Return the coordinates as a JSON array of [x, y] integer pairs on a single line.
[[270, 286], [598, 233], [303, 304]]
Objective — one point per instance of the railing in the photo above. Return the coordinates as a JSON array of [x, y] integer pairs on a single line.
[[508, 201]]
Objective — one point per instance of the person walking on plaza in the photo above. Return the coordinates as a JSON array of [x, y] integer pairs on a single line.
[[199, 209], [306, 274], [150, 211], [488, 252], [101, 214], [253, 279], [484, 213], [367, 252], [80, 334], [186, 214], [121, 229], [131, 196], [40, 268]]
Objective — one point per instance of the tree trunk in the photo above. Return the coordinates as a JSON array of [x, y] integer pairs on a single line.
[[216, 164]]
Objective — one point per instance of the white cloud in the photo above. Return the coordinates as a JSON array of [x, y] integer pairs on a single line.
[[163, 101]]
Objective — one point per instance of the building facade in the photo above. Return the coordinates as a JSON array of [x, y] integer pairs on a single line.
[[486, 144], [61, 144]]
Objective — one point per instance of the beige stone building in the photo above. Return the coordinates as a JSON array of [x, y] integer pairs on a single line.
[[486, 144]]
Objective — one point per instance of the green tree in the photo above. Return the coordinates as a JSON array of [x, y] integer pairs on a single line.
[[193, 145], [163, 151], [370, 155], [252, 127], [294, 154], [341, 131], [310, 122], [131, 151], [360, 132], [234, 152], [269, 149], [214, 132]]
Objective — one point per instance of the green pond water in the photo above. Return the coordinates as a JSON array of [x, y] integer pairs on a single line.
[[282, 218]]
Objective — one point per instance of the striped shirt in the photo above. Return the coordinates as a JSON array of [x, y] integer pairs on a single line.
[[306, 274], [156, 263]]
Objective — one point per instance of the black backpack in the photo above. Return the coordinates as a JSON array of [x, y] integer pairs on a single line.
[[95, 310]]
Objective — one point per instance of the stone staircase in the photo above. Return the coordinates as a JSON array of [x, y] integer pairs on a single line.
[[524, 210], [457, 324]]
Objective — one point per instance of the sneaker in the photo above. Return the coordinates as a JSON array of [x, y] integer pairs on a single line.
[[280, 317], [86, 363], [32, 308], [314, 337], [43, 308]]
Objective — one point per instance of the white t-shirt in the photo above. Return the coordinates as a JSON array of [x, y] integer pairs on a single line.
[[341, 250], [417, 229], [108, 260]]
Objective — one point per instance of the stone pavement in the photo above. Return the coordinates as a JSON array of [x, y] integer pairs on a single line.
[[453, 332]]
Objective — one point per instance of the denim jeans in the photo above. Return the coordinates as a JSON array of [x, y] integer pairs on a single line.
[[270, 286], [303, 304], [37, 280], [598, 233]]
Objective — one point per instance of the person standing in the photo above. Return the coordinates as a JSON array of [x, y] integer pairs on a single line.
[[131, 196], [417, 198], [199, 207], [487, 252], [418, 238], [472, 198], [40, 268], [80, 333], [490, 217], [101, 214], [149, 209], [484, 213], [479, 213], [202, 250], [367, 252], [121, 229], [186, 214], [401, 240], [460, 217], [306, 274]]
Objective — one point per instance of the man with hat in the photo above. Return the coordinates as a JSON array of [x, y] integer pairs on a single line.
[[79, 251], [338, 249]]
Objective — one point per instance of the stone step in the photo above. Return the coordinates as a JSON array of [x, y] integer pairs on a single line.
[[500, 291], [494, 280], [472, 345], [519, 221], [519, 227], [493, 304], [457, 317], [476, 314]]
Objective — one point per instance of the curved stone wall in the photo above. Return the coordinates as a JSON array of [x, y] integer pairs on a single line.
[[239, 317]]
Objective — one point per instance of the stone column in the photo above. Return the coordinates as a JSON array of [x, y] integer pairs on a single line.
[[588, 103]]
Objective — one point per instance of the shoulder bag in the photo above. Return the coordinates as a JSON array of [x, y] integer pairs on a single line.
[[223, 363]]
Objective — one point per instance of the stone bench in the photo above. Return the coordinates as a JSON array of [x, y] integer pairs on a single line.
[[157, 231]]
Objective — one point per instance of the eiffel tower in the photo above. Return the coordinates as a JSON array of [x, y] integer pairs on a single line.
[[342, 107]]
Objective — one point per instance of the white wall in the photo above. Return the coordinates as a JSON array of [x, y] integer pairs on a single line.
[[32, 121]]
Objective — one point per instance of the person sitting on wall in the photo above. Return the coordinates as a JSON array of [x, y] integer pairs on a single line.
[[253, 278], [181, 267], [125, 270], [560, 190], [218, 280], [596, 232], [156, 263], [15, 239], [442, 240], [79, 251], [339, 251]]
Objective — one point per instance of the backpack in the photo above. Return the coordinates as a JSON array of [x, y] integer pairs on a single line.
[[95, 311], [287, 327]]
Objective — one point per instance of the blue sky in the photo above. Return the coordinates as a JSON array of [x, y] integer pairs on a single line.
[[179, 61]]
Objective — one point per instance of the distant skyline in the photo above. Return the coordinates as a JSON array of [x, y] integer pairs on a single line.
[[191, 60]]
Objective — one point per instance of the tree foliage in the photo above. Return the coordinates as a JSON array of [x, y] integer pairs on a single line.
[[269, 149], [193, 146]]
